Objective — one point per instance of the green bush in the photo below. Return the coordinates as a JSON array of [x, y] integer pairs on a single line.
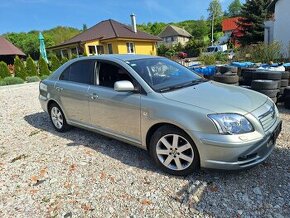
[[4, 70], [264, 53], [207, 59], [221, 56], [55, 63], [12, 80], [31, 79], [19, 68], [2, 83], [43, 67], [194, 46], [44, 77], [31, 69], [64, 60]]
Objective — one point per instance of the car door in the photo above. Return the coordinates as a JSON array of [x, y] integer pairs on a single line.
[[72, 88], [111, 111]]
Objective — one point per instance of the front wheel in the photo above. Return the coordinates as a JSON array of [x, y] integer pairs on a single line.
[[58, 119], [174, 151]]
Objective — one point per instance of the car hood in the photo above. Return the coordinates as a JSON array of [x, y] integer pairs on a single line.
[[218, 97]]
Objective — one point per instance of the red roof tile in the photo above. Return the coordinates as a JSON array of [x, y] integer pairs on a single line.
[[230, 24], [7, 48]]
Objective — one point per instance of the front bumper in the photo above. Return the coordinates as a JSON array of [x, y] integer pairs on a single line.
[[43, 102], [236, 152]]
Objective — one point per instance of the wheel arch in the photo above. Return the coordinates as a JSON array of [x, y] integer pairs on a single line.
[[156, 126]]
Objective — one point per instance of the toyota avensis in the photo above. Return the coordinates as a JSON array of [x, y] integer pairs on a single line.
[[183, 120]]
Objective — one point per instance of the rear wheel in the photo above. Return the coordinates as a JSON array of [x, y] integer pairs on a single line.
[[174, 151], [57, 118]]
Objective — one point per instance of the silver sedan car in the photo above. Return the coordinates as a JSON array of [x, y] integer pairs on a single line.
[[184, 121]]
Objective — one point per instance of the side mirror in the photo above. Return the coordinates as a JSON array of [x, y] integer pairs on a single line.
[[124, 86]]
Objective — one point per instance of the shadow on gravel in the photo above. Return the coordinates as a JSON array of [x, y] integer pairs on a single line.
[[127, 154], [206, 190]]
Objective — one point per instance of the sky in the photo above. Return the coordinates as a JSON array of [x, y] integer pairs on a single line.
[[27, 15]]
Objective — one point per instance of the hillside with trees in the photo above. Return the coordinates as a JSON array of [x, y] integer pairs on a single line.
[[29, 43]]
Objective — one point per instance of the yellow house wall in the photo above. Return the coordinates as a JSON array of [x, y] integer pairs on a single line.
[[114, 46], [91, 43], [145, 48]]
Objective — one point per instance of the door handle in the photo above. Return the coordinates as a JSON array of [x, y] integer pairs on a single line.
[[94, 96], [59, 89]]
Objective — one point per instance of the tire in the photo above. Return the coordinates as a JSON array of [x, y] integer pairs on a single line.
[[267, 75], [248, 74], [284, 82], [162, 141], [274, 100], [228, 79], [287, 91], [223, 69], [287, 102], [264, 85], [246, 87], [282, 91], [279, 83], [270, 93], [57, 118], [285, 75]]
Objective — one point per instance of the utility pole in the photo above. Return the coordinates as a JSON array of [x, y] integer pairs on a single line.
[[212, 26]]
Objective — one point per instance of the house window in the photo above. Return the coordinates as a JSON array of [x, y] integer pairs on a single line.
[[172, 39], [110, 49], [100, 49], [92, 50], [130, 47]]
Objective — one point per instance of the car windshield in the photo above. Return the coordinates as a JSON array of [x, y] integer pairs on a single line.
[[164, 75]]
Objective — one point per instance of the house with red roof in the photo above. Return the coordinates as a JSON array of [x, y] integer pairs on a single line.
[[8, 51], [231, 28]]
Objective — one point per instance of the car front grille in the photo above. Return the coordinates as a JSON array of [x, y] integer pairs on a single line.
[[268, 119]]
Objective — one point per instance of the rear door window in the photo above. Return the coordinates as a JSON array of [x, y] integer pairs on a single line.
[[80, 72]]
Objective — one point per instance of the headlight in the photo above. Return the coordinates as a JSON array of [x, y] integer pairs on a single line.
[[231, 123]]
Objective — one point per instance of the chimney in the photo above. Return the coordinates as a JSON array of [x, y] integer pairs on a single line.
[[133, 22]]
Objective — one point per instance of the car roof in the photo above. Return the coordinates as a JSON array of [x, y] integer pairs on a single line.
[[122, 57]]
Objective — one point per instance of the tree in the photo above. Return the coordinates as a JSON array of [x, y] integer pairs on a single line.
[[253, 13], [200, 29], [85, 27], [31, 69], [4, 70], [55, 63], [19, 68], [235, 8], [215, 13], [43, 68]]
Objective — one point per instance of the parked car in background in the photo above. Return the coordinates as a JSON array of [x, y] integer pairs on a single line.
[[183, 120]]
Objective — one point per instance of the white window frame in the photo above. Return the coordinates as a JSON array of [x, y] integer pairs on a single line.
[[129, 46]]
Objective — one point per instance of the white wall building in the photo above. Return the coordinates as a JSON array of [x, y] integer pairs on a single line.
[[278, 29]]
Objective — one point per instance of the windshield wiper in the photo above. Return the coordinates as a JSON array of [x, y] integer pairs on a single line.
[[191, 83]]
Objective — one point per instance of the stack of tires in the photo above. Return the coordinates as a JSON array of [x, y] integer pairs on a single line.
[[267, 82], [227, 78], [247, 76], [284, 84], [266, 87], [227, 75], [287, 97]]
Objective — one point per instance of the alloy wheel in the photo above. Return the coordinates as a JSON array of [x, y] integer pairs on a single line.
[[174, 152], [56, 117]]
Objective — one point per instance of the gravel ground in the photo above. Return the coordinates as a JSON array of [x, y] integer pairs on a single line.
[[82, 174]]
